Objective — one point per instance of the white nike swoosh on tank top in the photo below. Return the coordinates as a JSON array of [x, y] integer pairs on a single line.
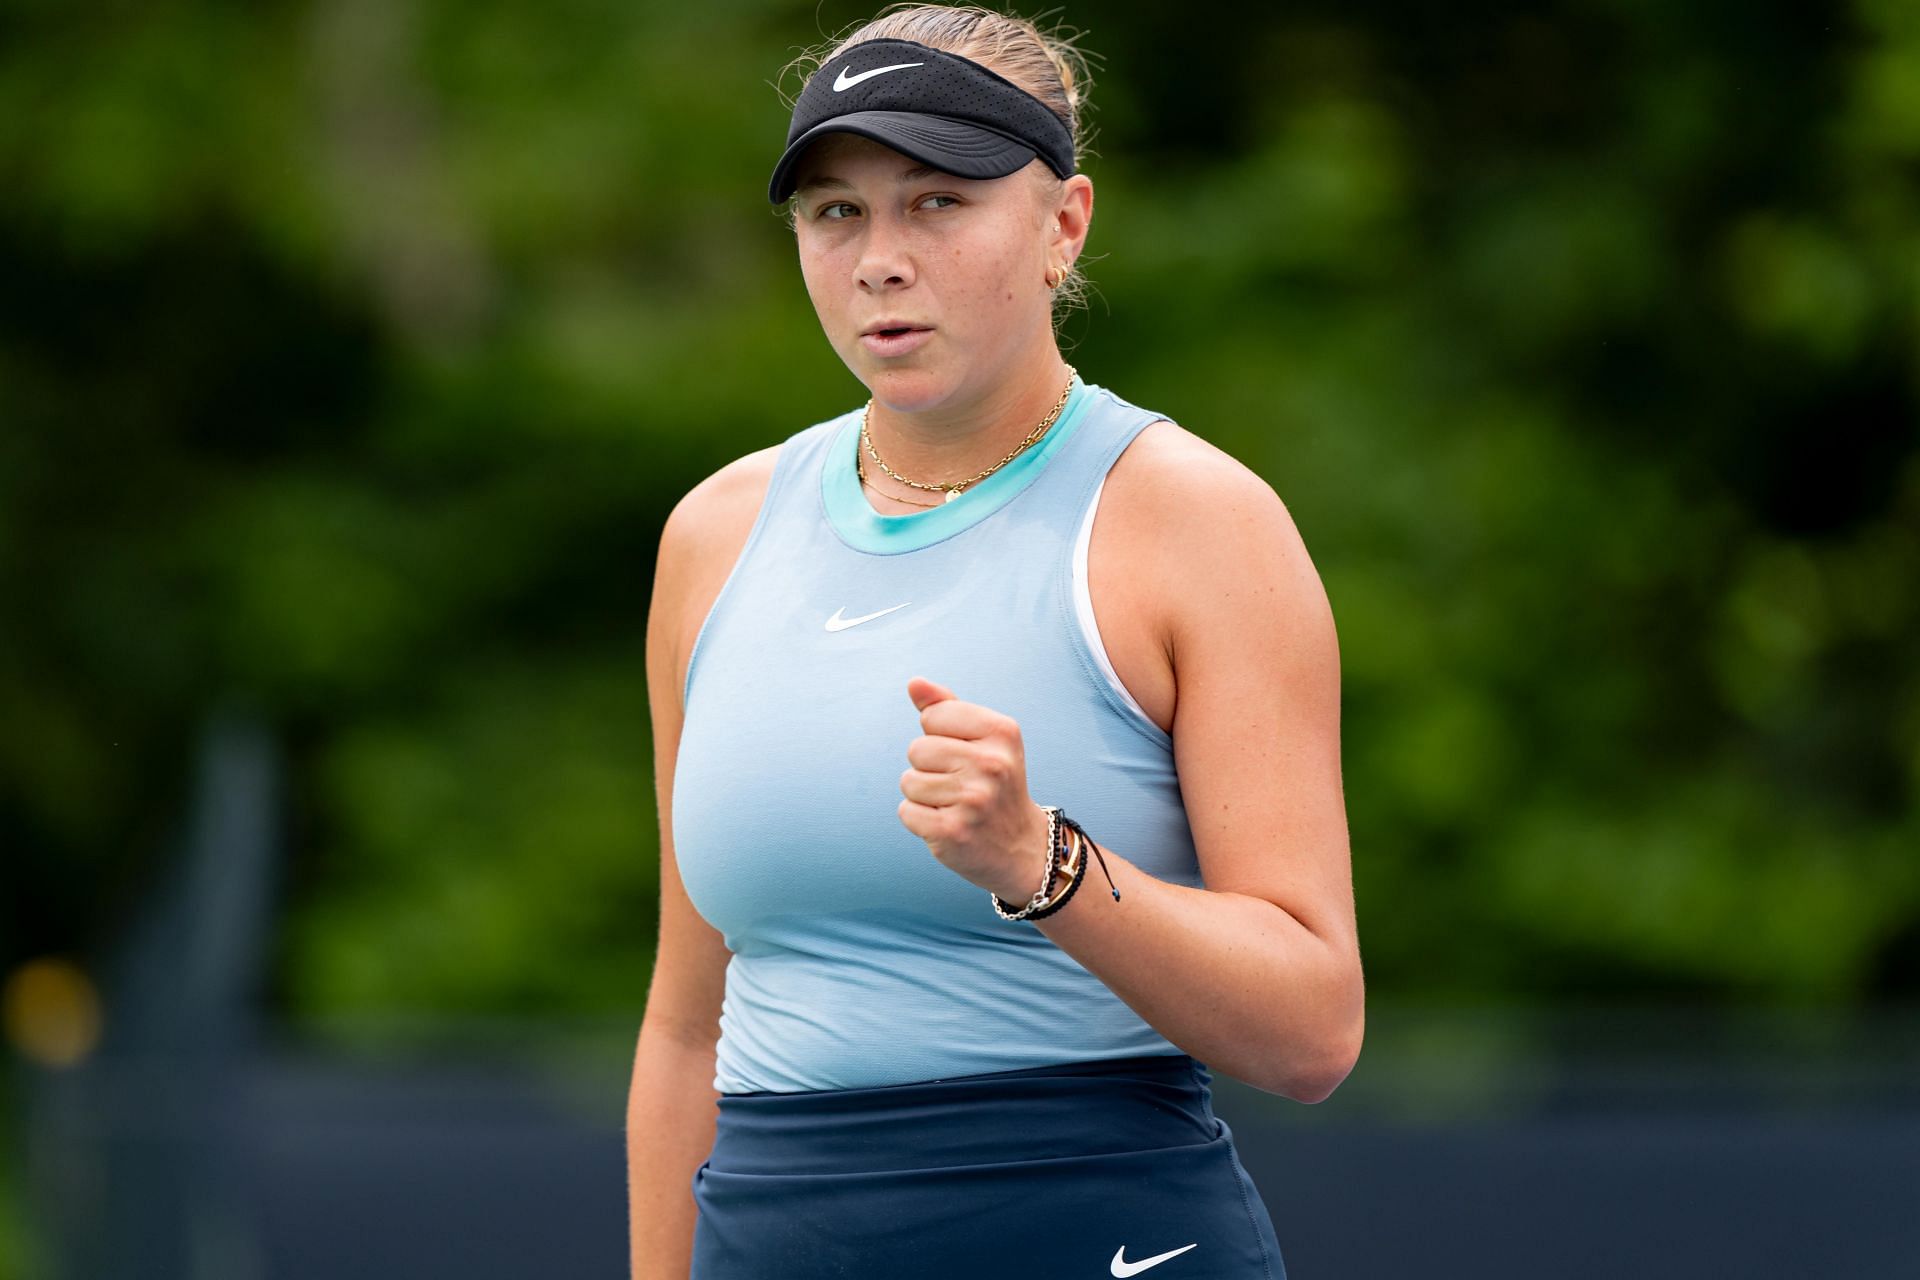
[[838, 623]]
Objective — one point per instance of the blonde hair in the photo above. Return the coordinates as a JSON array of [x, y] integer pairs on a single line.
[[1045, 63]]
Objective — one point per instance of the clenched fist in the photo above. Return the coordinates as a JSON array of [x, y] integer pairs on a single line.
[[966, 794]]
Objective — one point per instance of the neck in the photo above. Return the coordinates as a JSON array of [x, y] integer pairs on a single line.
[[959, 438]]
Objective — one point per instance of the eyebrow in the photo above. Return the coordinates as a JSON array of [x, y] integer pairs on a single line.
[[822, 181]]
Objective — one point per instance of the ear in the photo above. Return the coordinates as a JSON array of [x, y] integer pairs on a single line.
[[1070, 218]]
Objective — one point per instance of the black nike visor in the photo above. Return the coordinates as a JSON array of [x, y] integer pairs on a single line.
[[937, 107]]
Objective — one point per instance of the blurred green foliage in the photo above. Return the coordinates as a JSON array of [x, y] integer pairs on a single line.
[[353, 352]]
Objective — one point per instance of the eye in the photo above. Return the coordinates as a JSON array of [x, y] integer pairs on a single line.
[[833, 212]]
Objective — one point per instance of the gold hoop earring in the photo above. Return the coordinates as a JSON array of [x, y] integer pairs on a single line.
[[1056, 276]]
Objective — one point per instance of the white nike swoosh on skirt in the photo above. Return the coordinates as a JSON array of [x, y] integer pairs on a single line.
[[1121, 1267]]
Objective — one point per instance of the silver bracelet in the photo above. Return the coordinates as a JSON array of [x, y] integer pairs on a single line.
[[1039, 898]]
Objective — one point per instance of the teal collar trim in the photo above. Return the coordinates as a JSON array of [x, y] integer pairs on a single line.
[[864, 529]]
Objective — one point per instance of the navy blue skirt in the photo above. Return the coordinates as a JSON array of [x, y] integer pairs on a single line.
[[1094, 1169]]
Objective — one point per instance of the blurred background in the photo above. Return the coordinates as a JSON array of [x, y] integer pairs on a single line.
[[352, 353]]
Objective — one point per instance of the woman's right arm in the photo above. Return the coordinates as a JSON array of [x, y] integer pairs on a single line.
[[671, 1103]]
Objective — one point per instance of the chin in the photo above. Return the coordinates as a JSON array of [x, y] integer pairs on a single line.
[[908, 388]]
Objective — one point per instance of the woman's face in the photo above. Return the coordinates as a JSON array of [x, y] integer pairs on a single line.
[[884, 239]]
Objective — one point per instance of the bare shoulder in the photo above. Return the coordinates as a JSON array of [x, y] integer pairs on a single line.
[[711, 521], [1199, 521], [718, 502], [1176, 471], [703, 537]]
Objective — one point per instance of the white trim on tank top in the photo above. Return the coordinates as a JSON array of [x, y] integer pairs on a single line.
[[1083, 607]]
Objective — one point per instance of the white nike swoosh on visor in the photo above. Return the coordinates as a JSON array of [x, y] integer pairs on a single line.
[[838, 623], [1121, 1267], [844, 82]]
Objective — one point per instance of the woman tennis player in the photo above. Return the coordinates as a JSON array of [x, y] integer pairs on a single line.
[[997, 736]]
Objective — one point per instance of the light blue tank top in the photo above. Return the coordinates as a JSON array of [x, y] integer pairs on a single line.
[[859, 959]]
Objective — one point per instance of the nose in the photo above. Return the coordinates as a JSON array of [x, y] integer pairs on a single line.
[[885, 262]]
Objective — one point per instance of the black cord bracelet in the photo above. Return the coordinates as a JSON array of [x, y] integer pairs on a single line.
[[1073, 886], [1057, 830], [1081, 831]]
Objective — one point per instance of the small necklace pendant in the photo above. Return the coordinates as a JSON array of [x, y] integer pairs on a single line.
[[952, 494]]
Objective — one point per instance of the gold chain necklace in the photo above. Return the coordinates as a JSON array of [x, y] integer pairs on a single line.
[[954, 488]]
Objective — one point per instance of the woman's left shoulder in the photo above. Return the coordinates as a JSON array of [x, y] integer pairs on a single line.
[[1174, 481], [1201, 529], [1224, 579]]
